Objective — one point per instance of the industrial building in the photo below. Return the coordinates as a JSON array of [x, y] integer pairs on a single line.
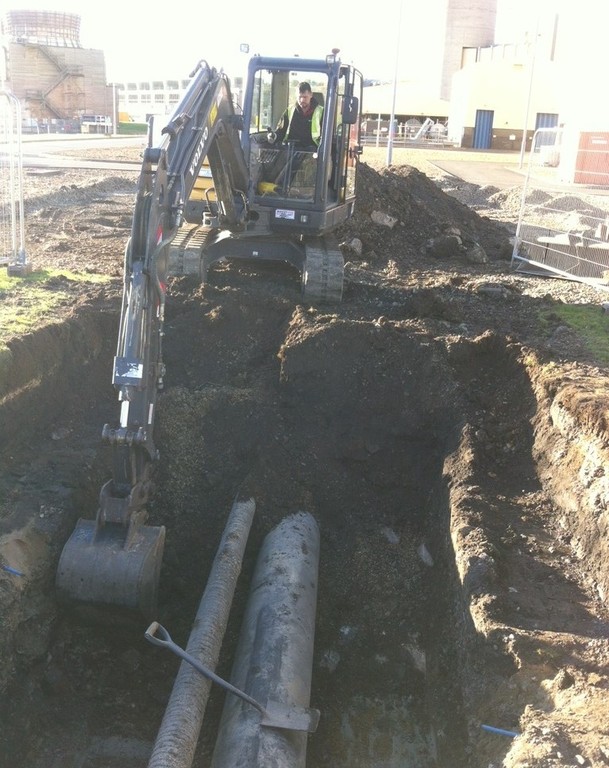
[[483, 94], [138, 99], [482, 97], [495, 95]]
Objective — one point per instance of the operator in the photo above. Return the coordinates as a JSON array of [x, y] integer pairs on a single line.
[[300, 123]]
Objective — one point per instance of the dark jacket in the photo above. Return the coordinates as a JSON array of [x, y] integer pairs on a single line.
[[303, 129]]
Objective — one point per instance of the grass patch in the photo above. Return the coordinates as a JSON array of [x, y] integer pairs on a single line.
[[29, 300], [133, 129], [42, 276], [590, 322]]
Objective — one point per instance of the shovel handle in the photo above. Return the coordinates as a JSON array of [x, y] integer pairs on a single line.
[[158, 635]]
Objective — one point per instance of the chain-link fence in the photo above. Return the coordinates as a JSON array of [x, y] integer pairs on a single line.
[[563, 227]]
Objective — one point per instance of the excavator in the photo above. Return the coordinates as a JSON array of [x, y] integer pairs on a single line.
[[213, 188]]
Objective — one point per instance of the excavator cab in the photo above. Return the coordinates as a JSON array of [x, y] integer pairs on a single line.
[[321, 177], [280, 168], [295, 196]]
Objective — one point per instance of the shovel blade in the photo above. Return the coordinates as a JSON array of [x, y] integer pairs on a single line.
[[292, 718], [100, 567]]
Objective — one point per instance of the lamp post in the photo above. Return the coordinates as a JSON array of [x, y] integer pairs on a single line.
[[395, 85], [244, 48], [523, 145], [114, 112]]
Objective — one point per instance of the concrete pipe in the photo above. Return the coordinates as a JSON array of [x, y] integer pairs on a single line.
[[274, 657]]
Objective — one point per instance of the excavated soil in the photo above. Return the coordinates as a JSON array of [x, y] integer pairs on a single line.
[[450, 445]]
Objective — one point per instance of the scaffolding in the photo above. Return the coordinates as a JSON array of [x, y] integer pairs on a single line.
[[12, 224]]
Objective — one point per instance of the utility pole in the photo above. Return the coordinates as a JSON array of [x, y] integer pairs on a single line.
[[114, 112], [523, 145], [395, 85]]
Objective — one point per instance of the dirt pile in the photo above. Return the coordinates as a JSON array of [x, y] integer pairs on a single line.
[[411, 210]]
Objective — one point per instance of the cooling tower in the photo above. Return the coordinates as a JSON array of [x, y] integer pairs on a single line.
[[51, 28]]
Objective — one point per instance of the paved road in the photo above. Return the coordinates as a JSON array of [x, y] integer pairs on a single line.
[[506, 173], [58, 142], [44, 151], [481, 173], [499, 169], [49, 161]]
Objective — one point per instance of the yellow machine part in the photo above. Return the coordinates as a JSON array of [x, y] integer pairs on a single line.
[[267, 187], [203, 184]]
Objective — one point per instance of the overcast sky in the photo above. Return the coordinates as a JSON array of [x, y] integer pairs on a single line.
[[145, 41]]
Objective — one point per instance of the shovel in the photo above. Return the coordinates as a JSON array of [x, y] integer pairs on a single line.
[[274, 715]]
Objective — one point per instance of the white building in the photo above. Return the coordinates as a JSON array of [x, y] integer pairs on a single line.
[[136, 101], [549, 79]]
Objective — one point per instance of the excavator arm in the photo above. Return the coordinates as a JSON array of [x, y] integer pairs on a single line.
[[205, 126], [116, 558]]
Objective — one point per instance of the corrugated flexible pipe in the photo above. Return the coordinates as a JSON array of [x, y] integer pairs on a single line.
[[177, 737]]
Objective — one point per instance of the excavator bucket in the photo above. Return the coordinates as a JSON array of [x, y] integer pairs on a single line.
[[111, 565]]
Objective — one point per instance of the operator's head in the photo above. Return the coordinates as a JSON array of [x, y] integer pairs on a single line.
[[304, 95]]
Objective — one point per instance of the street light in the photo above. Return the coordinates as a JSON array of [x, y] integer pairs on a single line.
[[523, 145], [395, 85], [244, 48], [114, 112]]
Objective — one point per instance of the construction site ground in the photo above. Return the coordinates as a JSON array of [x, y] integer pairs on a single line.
[[445, 426]]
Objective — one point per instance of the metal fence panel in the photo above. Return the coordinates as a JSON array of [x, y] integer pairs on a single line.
[[12, 225], [563, 227]]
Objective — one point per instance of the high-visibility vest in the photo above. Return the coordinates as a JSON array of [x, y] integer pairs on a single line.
[[316, 119]]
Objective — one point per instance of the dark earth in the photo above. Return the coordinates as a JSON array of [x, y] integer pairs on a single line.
[[447, 429]]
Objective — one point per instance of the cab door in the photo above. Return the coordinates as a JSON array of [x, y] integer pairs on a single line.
[[346, 146]]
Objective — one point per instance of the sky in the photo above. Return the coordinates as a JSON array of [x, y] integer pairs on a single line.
[[142, 41]]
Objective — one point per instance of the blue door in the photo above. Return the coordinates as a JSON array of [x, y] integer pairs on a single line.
[[546, 120], [542, 121], [483, 130]]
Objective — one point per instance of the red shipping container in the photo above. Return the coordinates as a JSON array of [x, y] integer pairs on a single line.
[[592, 162]]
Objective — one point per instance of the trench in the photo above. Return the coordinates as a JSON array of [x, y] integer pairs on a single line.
[[364, 424]]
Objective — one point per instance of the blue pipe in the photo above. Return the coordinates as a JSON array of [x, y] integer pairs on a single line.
[[499, 731], [14, 571]]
